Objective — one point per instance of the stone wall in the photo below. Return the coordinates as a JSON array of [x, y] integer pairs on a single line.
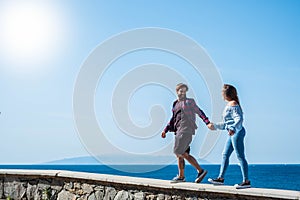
[[62, 185], [70, 189], [38, 188]]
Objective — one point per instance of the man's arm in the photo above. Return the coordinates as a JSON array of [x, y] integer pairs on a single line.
[[168, 127], [200, 113]]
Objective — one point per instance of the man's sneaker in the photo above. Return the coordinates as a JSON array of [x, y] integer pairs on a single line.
[[245, 184], [216, 181], [177, 179], [200, 176]]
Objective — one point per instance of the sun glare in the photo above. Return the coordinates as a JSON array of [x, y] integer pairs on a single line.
[[29, 31]]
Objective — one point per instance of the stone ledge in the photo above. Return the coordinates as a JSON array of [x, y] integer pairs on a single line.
[[155, 184]]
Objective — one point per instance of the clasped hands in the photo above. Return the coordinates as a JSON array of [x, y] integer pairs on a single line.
[[209, 126], [212, 127]]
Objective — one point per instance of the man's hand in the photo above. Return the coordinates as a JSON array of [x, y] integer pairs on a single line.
[[163, 134], [211, 126], [231, 132]]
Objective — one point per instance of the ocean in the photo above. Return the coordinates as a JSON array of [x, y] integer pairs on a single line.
[[262, 176]]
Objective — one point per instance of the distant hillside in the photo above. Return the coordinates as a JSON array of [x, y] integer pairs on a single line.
[[76, 160], [120, 160]]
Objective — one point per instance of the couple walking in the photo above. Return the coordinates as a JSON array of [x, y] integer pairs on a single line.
[[183, 125]]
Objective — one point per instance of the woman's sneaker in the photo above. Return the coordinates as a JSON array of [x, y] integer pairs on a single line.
[[200, 176], [177, 179], [245, 184], [216, 181]]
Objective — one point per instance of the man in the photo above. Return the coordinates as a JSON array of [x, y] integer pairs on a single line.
[[183, 123]]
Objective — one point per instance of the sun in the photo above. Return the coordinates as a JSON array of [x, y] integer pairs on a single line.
[[30, 31]]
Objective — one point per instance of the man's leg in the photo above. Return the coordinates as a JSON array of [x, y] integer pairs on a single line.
[[180, 177], [192, 161], [201, 172], [181, 165]]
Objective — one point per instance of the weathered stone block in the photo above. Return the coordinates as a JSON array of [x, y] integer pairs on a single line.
[[92, 197], [139, 196], [151, 197], [176, 197], [43, 185], [98, 195], [77, 185], [68, 185], [53, 194], [1, 188], [31, 191], [87, 189], [110, 193], [121, 195], [66, 195], [161, 197], [83, 197], [14, 189]]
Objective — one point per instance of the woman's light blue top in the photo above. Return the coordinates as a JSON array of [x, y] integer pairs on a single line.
[[232, 119]]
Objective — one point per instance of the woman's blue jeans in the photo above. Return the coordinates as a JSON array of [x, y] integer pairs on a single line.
[[235, 142]]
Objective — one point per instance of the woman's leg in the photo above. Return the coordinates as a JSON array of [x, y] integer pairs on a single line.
[[238, 145], [228, 149]]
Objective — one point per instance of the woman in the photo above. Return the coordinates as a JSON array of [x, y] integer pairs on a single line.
[[232, 122]]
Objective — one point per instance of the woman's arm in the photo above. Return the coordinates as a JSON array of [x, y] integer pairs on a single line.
[[237, 116], [219, 126]]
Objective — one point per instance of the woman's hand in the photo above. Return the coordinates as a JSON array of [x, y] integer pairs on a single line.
[[231, 132], [163, 134], [211, 126]]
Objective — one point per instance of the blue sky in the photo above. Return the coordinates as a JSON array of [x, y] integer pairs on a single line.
[[255, 46]]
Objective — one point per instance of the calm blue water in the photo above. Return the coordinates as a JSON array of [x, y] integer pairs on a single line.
[[261, 176]]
